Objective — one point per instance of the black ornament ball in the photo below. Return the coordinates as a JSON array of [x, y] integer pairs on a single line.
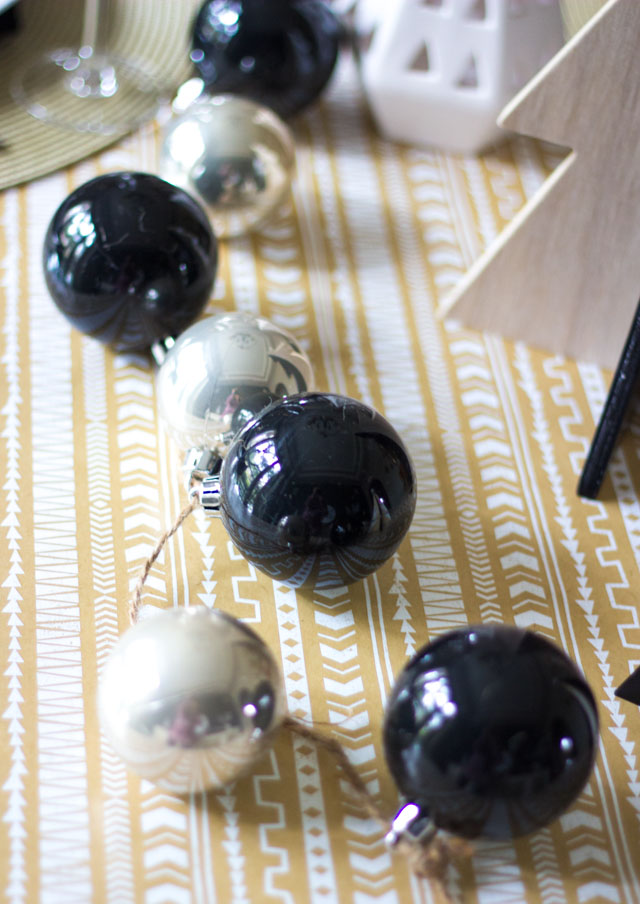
[[130, 259], [280, 53], [492, 731], [318, 489]]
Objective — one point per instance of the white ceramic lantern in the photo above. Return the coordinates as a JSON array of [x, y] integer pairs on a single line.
[[438, 72]]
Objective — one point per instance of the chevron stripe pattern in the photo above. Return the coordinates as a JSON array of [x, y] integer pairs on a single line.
[[64, 838], [371, 237], [163, 825], [541, 434], [117, 829], [348, 710], [313, 816], [12, 580]]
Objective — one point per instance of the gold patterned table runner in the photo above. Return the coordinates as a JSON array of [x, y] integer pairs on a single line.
[[372, 236]]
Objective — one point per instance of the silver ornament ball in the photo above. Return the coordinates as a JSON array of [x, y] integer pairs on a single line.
[[189, 698], [221, 372], [234, 155]]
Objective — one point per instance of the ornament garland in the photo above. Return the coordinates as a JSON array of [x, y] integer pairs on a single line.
[[191, 697], [490, 731]]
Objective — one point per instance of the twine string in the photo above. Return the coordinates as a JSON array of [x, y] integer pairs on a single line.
[[136, 600], [328, 743], [429, 858]]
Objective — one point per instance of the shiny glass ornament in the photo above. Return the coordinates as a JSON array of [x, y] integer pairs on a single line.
[[491, 731], [318, 489], [189, 698], [234, 155], [130, 259], [221, 372], [280, 53]]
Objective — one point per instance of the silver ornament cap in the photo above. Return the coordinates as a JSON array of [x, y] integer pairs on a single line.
[[189, 698], [221, 372], [237, 157]]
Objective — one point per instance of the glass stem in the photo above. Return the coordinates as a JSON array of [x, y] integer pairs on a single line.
[[93, 29]]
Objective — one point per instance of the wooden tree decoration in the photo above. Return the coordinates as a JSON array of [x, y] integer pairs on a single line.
[[565, 274]]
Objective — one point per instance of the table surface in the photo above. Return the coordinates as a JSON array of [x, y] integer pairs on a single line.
[[373, 234]]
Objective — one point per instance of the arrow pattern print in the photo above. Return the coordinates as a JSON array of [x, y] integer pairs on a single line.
[[372, 235]]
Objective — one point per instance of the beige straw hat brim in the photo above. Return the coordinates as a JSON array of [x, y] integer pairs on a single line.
[[154, 34]]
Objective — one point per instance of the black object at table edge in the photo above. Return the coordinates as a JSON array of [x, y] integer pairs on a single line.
[[630, 688], [612, 417]]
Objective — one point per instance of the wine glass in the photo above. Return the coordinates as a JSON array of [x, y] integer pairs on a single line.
[[87, 88]]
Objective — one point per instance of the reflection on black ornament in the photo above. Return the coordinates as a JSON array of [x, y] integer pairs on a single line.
[[318, 489], [280, 53], [492, 731], [130, 259]]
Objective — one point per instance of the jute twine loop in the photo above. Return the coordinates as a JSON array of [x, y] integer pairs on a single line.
[[136, 600], [429, 859]]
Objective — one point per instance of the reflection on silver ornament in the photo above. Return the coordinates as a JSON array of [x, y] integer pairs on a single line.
[[221, 372], [189, 698], [234, 155]]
